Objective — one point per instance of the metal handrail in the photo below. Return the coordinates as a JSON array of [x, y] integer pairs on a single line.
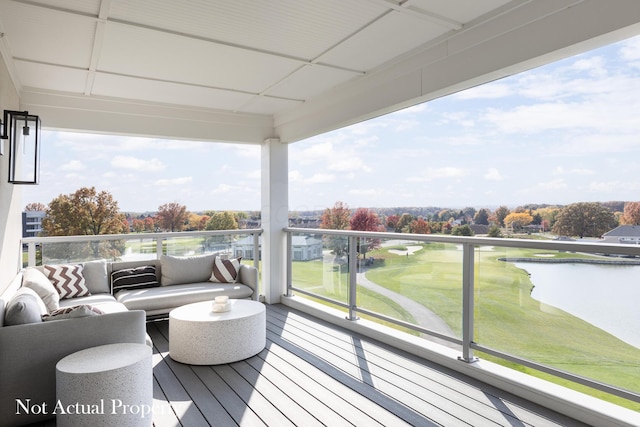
[[468, 249], [32, 242]]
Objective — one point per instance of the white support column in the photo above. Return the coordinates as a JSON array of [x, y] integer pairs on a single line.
[[275, 216]]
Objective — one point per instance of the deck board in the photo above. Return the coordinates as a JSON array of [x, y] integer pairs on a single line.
[[313, 373]]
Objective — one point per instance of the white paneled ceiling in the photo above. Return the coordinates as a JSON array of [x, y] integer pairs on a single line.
[[303, 65]]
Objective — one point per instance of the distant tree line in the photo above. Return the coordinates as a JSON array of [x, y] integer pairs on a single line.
[[584, 219], [91, 212]]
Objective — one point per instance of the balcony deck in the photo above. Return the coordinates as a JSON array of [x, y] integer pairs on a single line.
[[313, 373]]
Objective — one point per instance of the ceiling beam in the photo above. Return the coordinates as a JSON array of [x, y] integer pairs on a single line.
[[406, 8], [473, 56]]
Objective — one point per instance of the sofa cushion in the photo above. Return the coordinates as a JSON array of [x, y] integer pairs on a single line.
[[82, 310], [187, 269], [90, 299], [225, 270], [95, 276], [134, 278], [165, 298], [68, 280], [35, 279], [25, 307]]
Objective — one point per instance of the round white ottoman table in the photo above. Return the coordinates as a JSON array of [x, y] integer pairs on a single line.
[[200, 336], [108, 385]]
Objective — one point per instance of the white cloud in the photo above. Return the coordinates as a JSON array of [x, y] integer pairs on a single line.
[[222, 189], [320, 178], [630, 50], [614, 187], [134, 163], [173, 181], [431, 174], [364, 192], [73, 165], [493, 174], [556, 184], [492, 91], [575, 171]]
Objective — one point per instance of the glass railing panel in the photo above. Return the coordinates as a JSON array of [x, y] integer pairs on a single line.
[[69, 252], [139, 249], [575, 312], [199, 245], [320, 266], [144, 246], [415, 282]]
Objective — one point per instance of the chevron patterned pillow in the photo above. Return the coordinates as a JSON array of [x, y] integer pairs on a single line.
[[68, 280]]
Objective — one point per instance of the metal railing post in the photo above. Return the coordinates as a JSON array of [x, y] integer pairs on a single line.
[[256, 250], [31, 254], [289, 263], [467, 302], [159, 247], [353, 277]]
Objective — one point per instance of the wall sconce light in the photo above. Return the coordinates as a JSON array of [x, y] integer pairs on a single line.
[[23, 132]]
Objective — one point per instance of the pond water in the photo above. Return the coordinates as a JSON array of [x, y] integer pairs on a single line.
[[606, 296]]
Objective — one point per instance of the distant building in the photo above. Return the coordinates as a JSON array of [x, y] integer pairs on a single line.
[[304, 248], [305, 222], [629, 234], [32, 223]]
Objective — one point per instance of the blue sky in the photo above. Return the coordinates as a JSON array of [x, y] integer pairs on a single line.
[[563, 133]]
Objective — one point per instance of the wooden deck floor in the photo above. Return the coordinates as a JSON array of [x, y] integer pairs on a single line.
[[312, 373]]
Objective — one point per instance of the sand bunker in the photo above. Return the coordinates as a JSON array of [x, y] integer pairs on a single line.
[[410, 250]]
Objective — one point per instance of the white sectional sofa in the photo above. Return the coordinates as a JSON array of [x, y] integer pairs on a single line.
[[35, 335]]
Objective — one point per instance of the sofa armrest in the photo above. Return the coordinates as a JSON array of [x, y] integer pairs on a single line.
[[29, 354], [248, 275]]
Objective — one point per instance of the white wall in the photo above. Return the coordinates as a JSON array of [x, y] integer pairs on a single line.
[[10, 195]]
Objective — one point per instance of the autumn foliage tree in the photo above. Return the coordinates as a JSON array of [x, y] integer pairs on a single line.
[[481, 217], [584, 219], [420, 226], [172, 216], [35, 207], [517, 220], [85, 212], [500, 214], [222, 221], [631, 214], [364, 219], [336, 218], [138, 225]]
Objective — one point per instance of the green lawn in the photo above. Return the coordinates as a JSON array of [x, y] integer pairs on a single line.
[[506, 317]]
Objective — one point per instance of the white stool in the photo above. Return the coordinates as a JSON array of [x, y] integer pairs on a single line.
[[109, 385]]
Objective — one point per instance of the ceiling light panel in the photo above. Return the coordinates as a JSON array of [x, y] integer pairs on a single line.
[[43, 35], [146, 53], [299, 28], [385, 39]]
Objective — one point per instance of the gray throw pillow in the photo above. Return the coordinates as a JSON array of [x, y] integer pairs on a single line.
[[188, 269], [25, 307], [95, 276]]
